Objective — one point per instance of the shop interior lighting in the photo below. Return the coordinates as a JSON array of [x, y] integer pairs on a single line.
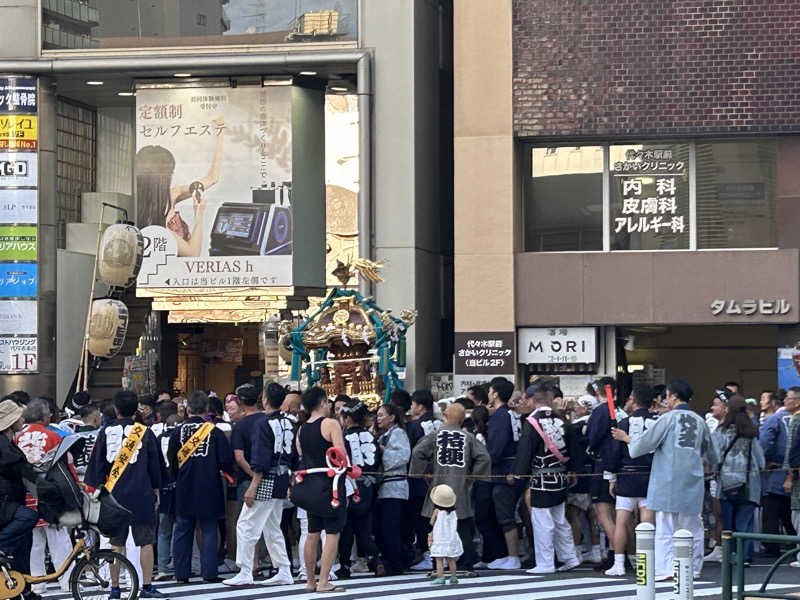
[[181, 74], [276, 81], [338, 89], [94, 82], [125, 94], [153, 84], [308, 73]]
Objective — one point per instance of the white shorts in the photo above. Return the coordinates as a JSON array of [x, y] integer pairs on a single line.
[[626, 503], [582, 501]]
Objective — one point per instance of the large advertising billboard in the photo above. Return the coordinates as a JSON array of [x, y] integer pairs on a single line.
[[214, 186]]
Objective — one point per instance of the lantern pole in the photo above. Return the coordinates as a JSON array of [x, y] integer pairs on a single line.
[[83, 369]]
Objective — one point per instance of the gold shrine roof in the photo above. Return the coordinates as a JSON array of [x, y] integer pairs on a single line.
[[344, 321]]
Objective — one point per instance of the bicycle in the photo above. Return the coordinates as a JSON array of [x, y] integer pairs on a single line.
[[93, 571]]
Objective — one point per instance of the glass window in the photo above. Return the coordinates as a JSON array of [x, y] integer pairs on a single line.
[[649, 196], [736, 194], [564, 199], [69, 24]]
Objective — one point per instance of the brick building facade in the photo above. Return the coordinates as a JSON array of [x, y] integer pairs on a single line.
[[626, 177], [674, 67]]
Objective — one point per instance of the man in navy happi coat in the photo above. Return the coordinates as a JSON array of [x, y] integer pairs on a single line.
[[137, 487], [199, 493]]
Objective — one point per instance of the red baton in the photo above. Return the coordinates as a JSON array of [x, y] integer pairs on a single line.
[[610, 398]]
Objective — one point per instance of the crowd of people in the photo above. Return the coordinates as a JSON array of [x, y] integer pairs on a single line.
[[499, 479]]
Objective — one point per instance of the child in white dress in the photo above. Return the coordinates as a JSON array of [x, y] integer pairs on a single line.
[[444, 541]]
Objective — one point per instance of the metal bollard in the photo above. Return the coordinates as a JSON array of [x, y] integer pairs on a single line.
[[682, 567], [727, 576], [645, 561]]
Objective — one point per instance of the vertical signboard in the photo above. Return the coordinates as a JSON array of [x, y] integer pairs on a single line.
[[214, 186], [650, 196], [481, 356], [19, 215]]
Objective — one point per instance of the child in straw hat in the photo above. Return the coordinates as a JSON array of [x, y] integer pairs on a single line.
[[444, 541]]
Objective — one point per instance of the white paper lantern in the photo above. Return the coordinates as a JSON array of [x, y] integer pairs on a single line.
[[121, 250], [107, 327]]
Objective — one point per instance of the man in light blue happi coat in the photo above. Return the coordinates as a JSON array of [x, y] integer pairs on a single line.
[[680, 442]]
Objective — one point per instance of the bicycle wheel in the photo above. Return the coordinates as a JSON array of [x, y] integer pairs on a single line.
[[91, 579]]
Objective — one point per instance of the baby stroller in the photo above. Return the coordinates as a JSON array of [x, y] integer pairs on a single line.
[[61, 500]]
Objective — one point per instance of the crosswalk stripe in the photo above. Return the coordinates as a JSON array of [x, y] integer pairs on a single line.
[[173, 586], [297, 591], [175, 589], [508, 586]]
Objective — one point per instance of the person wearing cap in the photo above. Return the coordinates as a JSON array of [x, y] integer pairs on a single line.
[[456, 459], [16, 520], [680, 442], [543, 459], [444, 540], [631, 476], [719, 407]]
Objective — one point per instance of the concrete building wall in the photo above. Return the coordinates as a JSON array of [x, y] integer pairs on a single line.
[[190, 24], [484, 167], [19, 28], [157, 18], [405, 35]]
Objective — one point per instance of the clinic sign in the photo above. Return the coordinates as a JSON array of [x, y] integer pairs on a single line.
[[19, 216], [484, 353], [557, 345], [650, 198], [480, 356]]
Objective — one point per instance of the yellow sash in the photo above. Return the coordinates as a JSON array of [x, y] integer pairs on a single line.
[[129, 446], [198, 437]]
